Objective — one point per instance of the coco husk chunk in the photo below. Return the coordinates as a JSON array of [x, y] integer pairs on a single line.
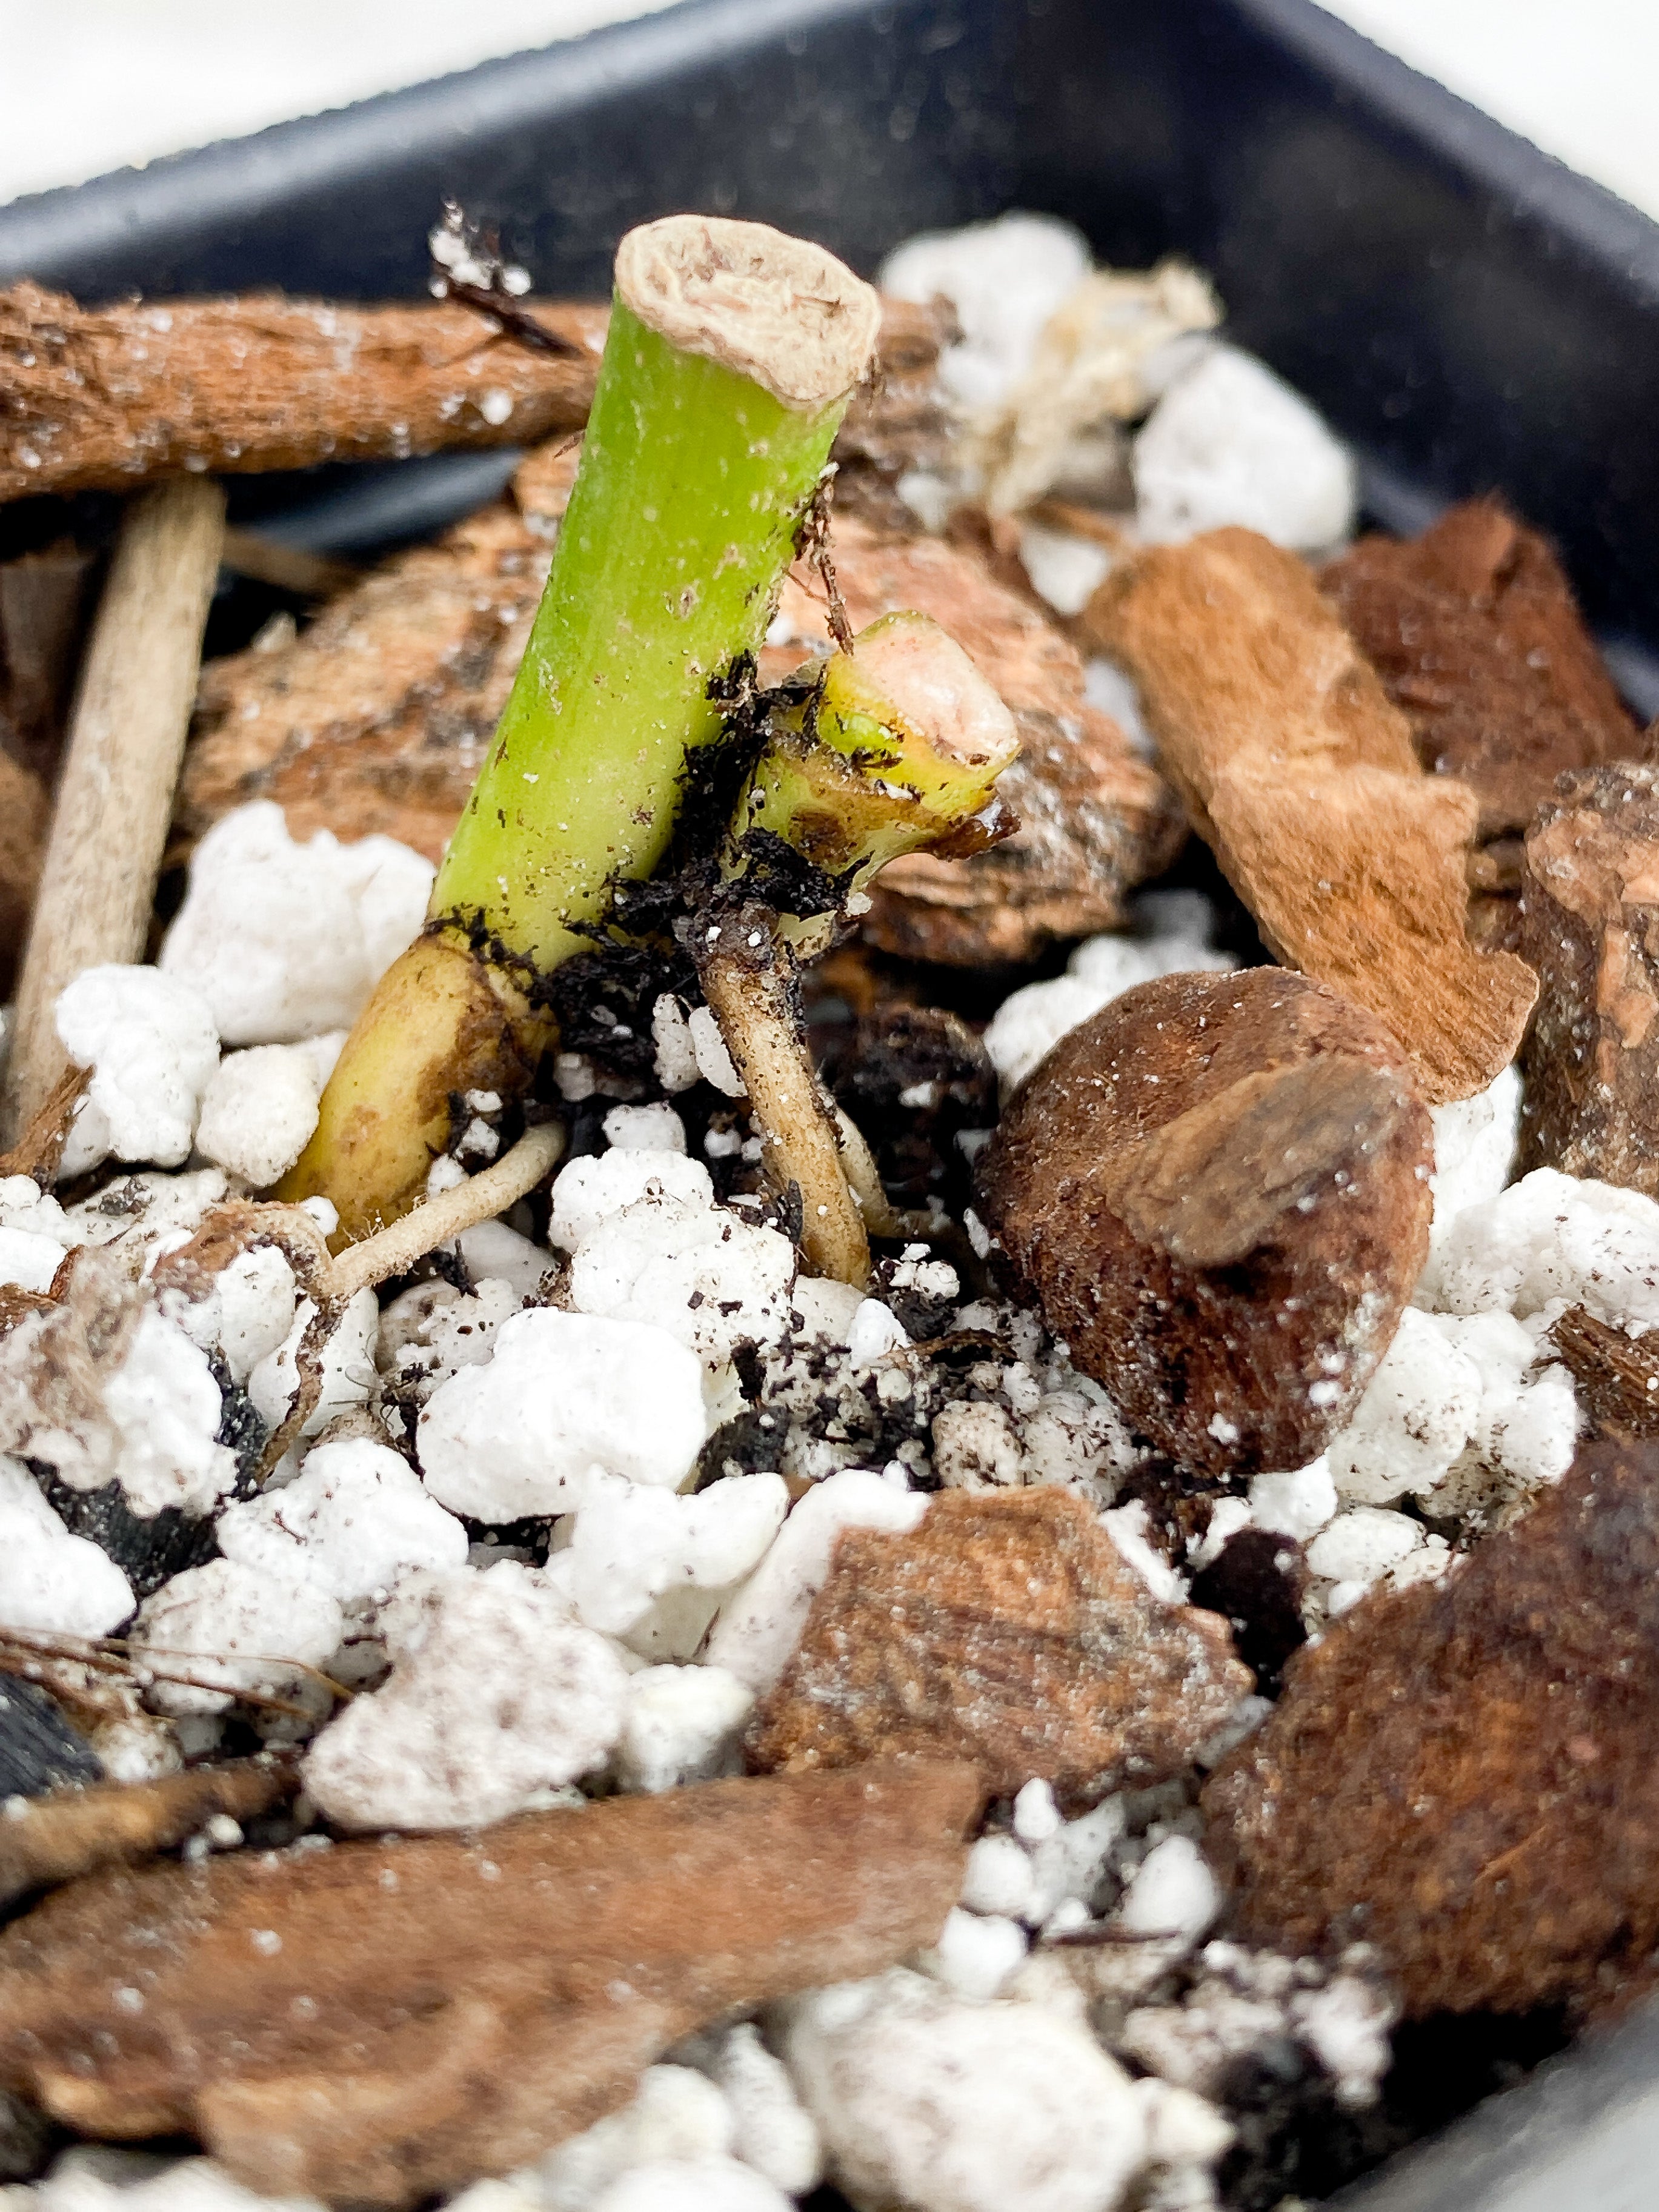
[[1304, 778]]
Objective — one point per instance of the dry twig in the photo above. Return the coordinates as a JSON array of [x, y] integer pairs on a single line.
[[120, 767]]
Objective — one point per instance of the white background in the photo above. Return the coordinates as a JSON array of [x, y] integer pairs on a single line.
[[90, 85]]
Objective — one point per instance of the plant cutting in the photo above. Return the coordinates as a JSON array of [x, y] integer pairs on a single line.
[[730, 356]]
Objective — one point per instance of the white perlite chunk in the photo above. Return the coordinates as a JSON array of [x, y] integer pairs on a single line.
[[761, 1624], [1172, 1893], [1474, 1142], [495, 1695], [1127, 1526], [1030, 1022], [1066, 571], [1069, 1862], [676, 2113], [564, 1398], [682, 1725], [259, 1112], [154, 1431], [653, 1129], [165, 1407], [1230, 443], [28, 1261], [975, 1447], [1526, 1424], [1363, 1546], [432, 1330], [1000, 1880], [231, 1627], [976, 1953], [1246, 2001], [590, 1191], [1005, 279], [934, 2101], [714, 1063], [700, 2184], [874, 1331], [24, 1204], [353, 1520], [285, 941], [676, 1061], [632, 1545], [1296, 1503], [1183, 2130], [771, 2129], [495, 1254], [347, 1360], [245, 1314], [704, 1276], [50, 1580], [150, 1042], [826, 1311], [97, 2178], [1418, 1411], [1552, 1236], [156, 1211]]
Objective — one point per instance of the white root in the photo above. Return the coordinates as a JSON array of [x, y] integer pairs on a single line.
[[748, 990], [394, 1250]]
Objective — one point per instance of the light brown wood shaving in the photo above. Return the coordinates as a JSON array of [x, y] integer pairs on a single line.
[[1301, 775]]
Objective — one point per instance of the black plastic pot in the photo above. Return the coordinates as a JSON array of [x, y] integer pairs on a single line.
[[1469, 313]]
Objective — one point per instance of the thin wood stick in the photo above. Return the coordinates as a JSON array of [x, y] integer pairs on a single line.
[[121, 762]]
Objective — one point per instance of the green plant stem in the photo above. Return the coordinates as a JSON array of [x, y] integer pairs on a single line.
[[693, 482], [692, 485]]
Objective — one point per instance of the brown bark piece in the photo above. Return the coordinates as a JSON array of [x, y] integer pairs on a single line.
[[543, 483], [1005, 1628], [898, 420], [1474, 631], [23, 819], [1302, 777], [43, 604], [71, 1832], [100, 399], [1466, 1774], [40, 1147], [1094, 820], [384, 2022], [1590, 925], [1026, 658], [1217, 1188], [379, 716], [1616, 1377]]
